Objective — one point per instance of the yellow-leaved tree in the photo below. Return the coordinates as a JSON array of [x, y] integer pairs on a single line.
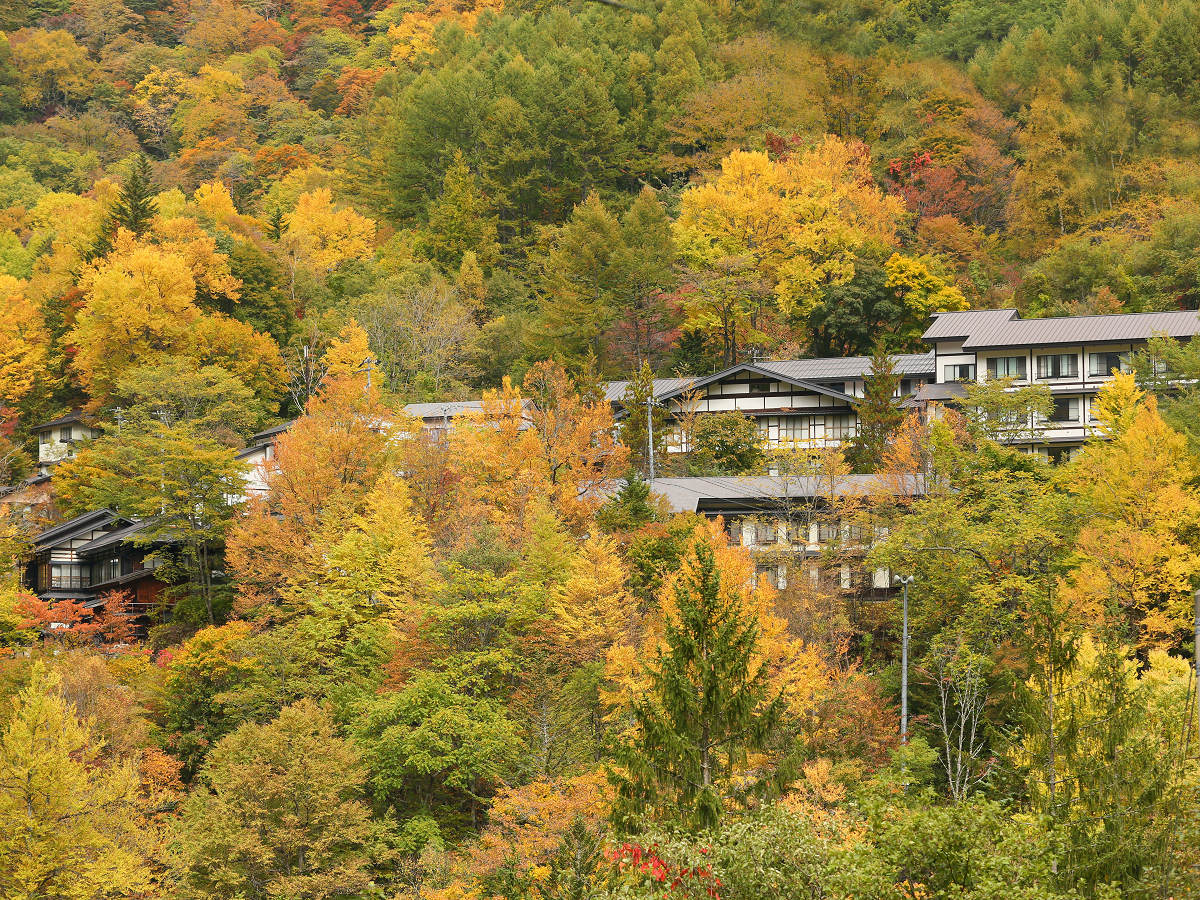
[[785, 228], [69, 826], [319, 235], [140, 310], [1136, 560], [24, 344]]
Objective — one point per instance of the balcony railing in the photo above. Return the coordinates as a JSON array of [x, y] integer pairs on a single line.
[[69, 582]]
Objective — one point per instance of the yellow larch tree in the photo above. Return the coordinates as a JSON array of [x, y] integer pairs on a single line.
[[24, 344], [1136, 560]]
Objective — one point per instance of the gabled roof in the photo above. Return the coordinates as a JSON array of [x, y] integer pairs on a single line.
[[614, 391], [981, 329], [85, 522], [70, 418], [804, 372], [265, 436], [757, 369], [114, 537]]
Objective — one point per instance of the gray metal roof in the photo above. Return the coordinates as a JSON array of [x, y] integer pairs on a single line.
[[847, 367], [949, 325], [615, 390], [448, 409], [1004, 328], [686, 494], [838, 368]]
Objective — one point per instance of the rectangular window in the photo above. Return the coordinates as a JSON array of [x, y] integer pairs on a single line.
[[1101, 365], [839, 427], [793, 429], [1066, 409], [1006, 367], [960, 372], [1058, 365], [760, 387], [64, 434], [44, 437]]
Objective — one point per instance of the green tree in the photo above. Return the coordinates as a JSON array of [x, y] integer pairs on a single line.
[[726, 443], [585, 273], [134, 207], [68, 816], [434, 752], [878, 414], [645, 323], [708, 704], [460, 220], [181, 392], [180, 481], [278, 813], [998, 411]]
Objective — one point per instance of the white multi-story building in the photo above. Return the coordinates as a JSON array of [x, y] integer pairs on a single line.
[[59, 438], [812, 402], [1072, 355]]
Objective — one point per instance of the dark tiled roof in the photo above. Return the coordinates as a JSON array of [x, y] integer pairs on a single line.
[[69, 419], [265, 436], [114, 537], [84, 522], [1004, 328]]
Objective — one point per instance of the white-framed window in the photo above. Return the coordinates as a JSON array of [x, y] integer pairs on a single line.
[[1058, 365], [960, 372], [64, 434], [1101, 365], [1006, 367]]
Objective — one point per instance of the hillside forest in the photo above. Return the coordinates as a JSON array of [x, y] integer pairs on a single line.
[[491, 662]]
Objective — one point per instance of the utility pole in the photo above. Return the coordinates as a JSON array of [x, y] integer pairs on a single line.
[[367, 365], [650, 435], [905, 580]]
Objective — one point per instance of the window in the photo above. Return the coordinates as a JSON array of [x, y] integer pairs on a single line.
[[827, 532], [1058, 365], [108, 570], [760, 387], [1066, 409], [44, 437], [960, 372], [1006, 367], [1101, 365], [794, 428], [839, 427]]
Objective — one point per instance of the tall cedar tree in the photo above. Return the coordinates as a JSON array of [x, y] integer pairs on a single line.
[[878, 415], [135, 206], [709, 703]]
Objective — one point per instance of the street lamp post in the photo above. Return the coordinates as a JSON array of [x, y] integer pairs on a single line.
[[905, 580]]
